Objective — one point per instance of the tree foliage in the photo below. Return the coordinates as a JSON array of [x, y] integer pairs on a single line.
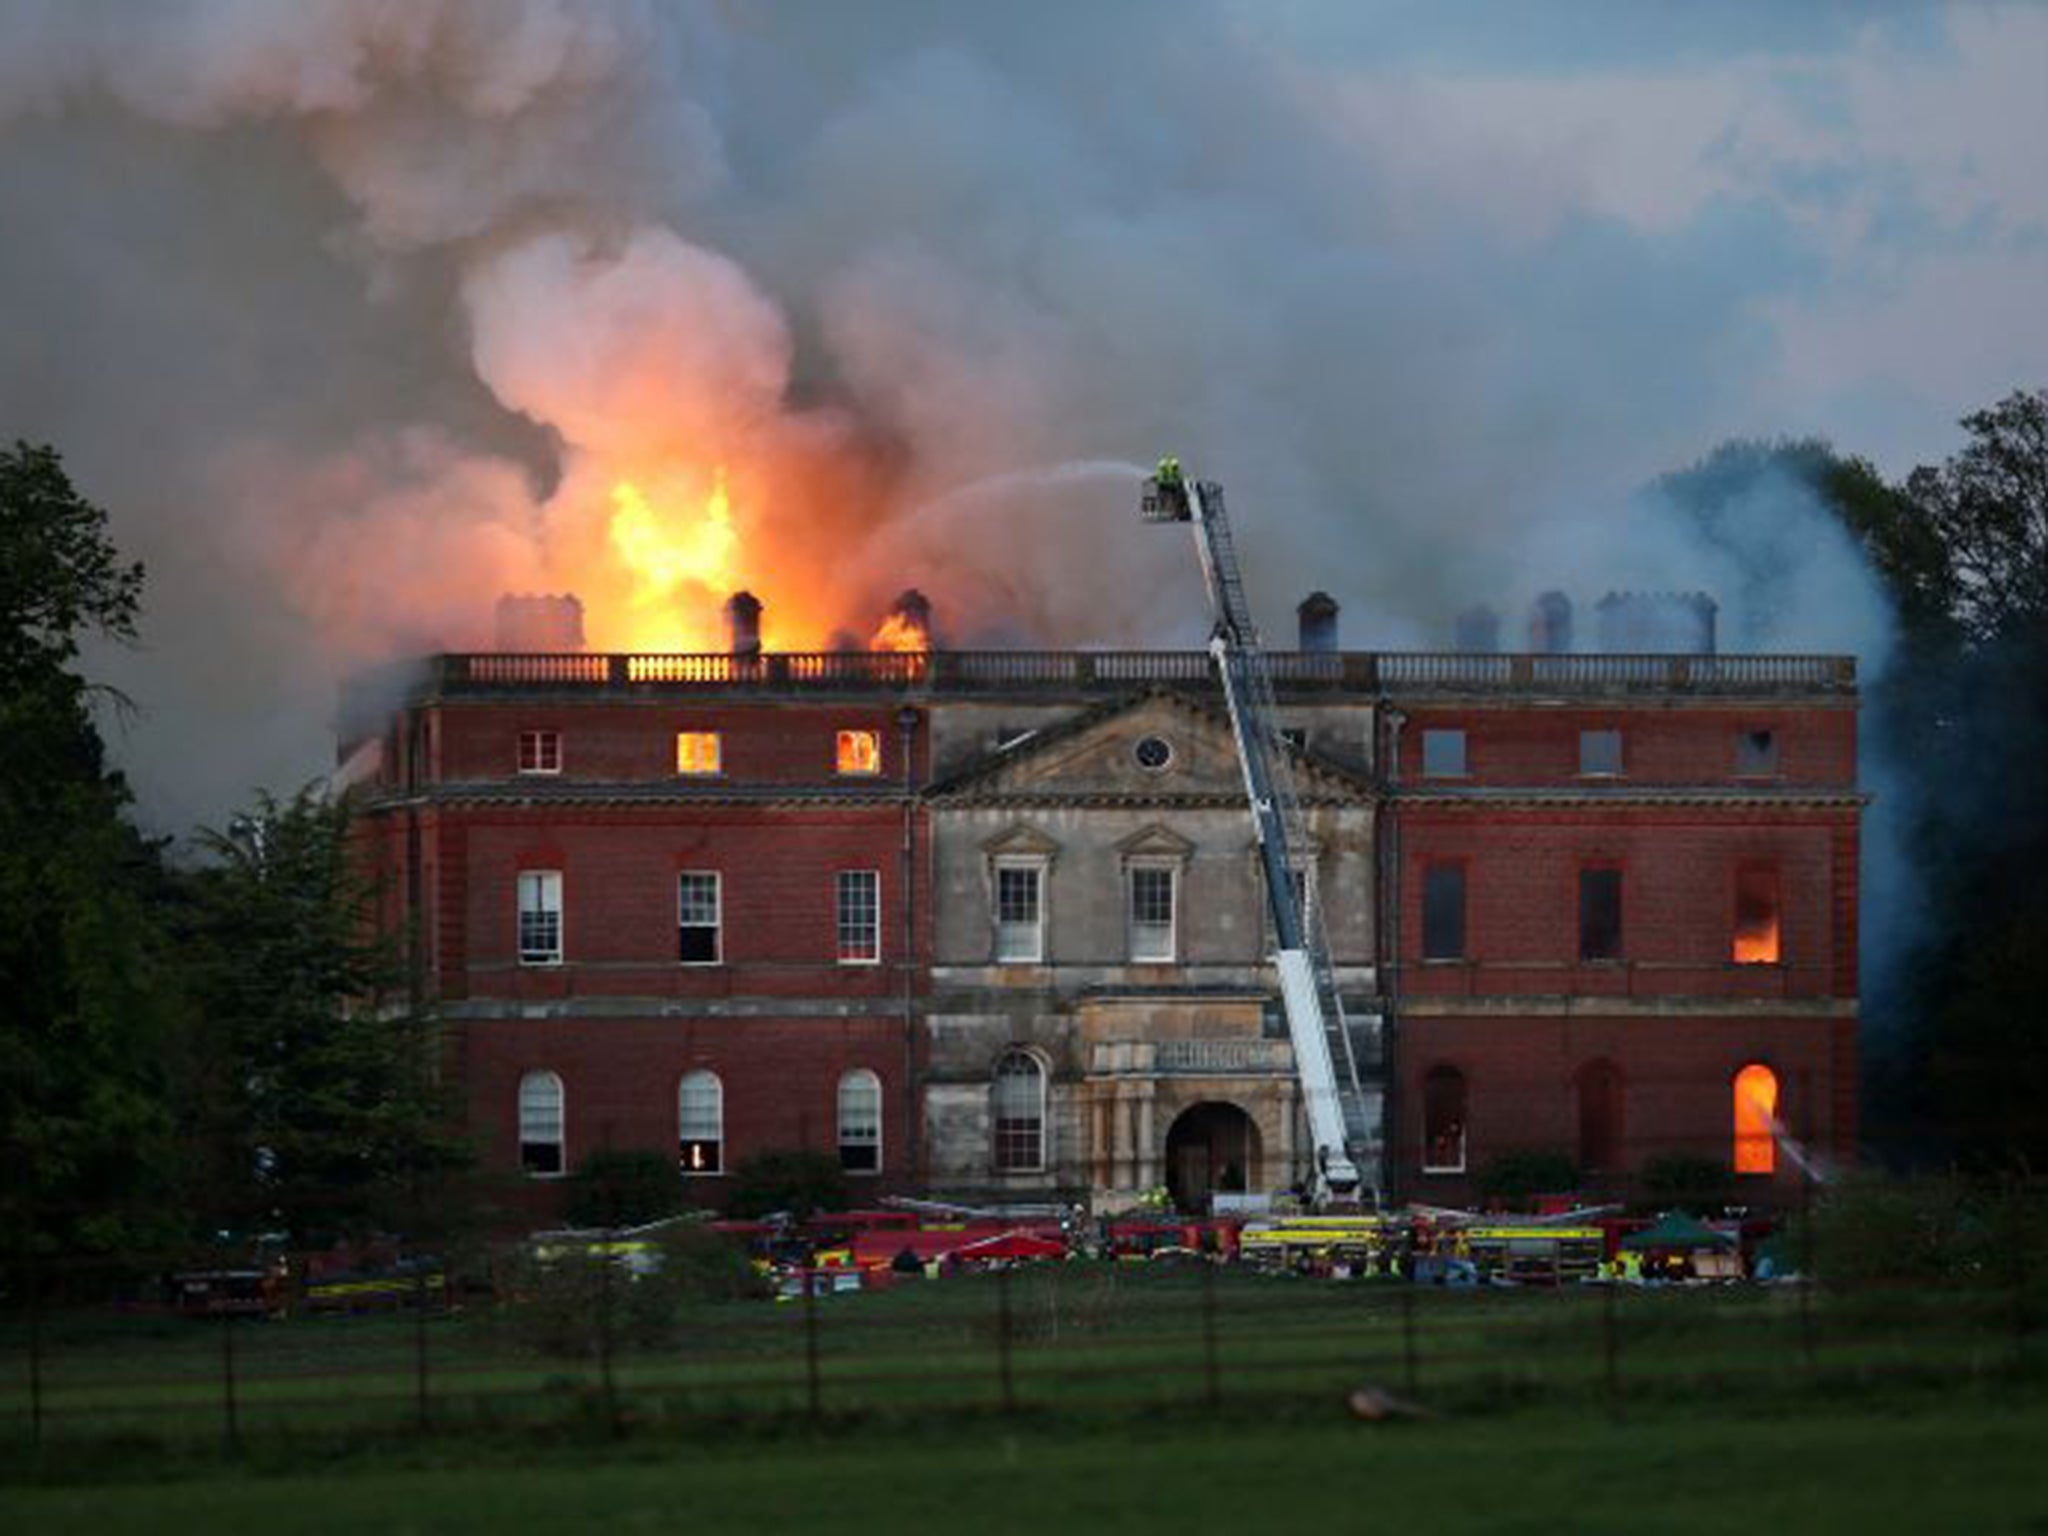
[[320, 1081], [1961, 718], [87, 985], [1987, 509], [797, 1182], [621, 1188]]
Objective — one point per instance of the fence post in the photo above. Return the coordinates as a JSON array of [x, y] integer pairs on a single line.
[[1806, 1275], [231, 1418], [419, 1336], [1212, 1379], [813, 1392], [1611, 1342], [35, 1342], [1003, 1339], [2019, 1240], [1411, 1367], [605, 1321]]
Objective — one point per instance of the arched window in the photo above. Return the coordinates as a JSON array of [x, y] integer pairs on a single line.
[[860, 1122], [1756, 1119], [700, 1122], [1017, 1111], [541, 1116], [1443, 1121], [1599, 1092]]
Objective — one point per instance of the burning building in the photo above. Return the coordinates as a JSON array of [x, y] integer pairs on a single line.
[[988, 923]]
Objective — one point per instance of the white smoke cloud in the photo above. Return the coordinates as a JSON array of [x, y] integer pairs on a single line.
[[637, 353], [365, 302]]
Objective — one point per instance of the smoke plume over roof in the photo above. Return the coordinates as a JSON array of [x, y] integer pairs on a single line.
[[354, 312]]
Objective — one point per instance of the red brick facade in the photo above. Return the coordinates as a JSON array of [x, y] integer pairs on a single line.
[[779, 1016], [1703, 797], [1692, 824]]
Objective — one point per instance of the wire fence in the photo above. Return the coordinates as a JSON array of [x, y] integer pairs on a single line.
[[171, 1355]]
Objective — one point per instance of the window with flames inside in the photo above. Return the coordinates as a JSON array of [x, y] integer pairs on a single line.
[[858, 752]]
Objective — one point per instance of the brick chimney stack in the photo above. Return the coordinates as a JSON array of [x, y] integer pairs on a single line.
[[1317, 614], [743, 623]]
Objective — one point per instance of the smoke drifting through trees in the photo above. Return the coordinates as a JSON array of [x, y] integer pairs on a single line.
[[353, 310]]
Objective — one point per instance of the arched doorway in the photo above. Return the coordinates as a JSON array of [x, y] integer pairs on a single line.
[[1211, 1148]]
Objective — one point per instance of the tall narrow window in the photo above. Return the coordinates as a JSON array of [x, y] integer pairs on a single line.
[[1756, 1119], [1600, 754], [540, 917], [1017, 1111], [697, 917], [541, 1117], [699, 752], [858, 752], [700, 1122], [859, 916], [1151, 912], [860, 1122], [1443, 912], [540, 751], [1599, 914], [1443, 1121], [1443, 754], [1756, 753], [1020, 913], [1758, 921], [1599, 1094]]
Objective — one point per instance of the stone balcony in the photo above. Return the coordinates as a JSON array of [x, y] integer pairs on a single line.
[[1191, 1058]]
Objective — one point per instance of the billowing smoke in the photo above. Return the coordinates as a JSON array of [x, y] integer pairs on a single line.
[[358, 313]]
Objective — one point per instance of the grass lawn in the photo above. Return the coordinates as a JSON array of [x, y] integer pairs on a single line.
[[1855, 1464], [1557, 1411]]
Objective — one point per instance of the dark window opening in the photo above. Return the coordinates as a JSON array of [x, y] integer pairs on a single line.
[[1600, 754], [1443, 1121], [1443, 754], [1599, 914], [1599, 1086], [1756, 753], [697, 918], [1443, 912], [1758, 925], [860, 1122]]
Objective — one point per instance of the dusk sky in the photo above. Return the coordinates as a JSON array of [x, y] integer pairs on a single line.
[[352, 313]]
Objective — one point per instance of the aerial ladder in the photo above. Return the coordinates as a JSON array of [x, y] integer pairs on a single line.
[[1342, 1114]]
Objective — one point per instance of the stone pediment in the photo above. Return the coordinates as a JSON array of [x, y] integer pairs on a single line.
[[1020, 842], [1160, 747], [1155, 842]]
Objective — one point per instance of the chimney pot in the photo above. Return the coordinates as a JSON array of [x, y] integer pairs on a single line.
[[1550, 624], [743, 623], [1317, 614], [1477, 629]]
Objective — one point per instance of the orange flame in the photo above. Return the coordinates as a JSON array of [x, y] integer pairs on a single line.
[[679, 568], [1756, 1119], [1757, 944], [899, 632]]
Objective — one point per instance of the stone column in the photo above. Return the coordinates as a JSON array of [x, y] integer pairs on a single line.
[[1287, 1173], [1123, 1166], [1098, 1138], [1148, 1160]]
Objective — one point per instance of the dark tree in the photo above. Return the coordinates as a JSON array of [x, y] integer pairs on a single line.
[[320, 1101], [1956, 1064], [1987, 507], [88, 986]]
